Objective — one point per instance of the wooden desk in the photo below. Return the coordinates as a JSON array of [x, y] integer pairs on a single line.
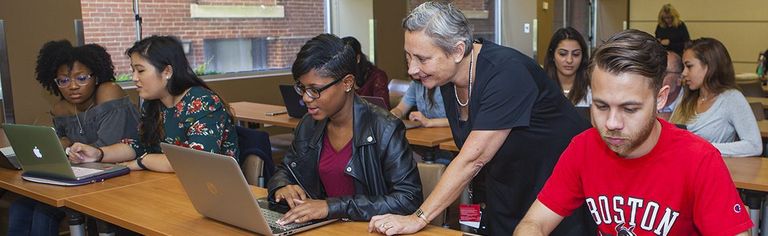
[[55, 195], [163, 208], [749, 172], [257, 113], [449, 146], [763, 101], [428, 137], [763, 126]]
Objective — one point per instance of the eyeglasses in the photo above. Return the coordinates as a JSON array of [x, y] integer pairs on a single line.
[[63, 81], [313, 92]]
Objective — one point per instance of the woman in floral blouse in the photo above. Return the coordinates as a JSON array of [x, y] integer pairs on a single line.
[[179, 108]]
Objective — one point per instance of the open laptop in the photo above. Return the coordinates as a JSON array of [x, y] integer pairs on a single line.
[[8, 159], [217, 188], [294, 104], [43, 160]]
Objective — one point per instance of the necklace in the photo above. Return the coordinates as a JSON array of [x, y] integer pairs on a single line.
[[469, 91], [85, 117]]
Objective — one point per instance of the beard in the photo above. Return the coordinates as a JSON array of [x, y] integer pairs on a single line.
[[634, 140]]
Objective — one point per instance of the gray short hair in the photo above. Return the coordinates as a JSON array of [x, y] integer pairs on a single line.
[[442, 22]]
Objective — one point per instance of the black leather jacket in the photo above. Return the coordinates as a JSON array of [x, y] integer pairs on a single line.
[[385, 176]]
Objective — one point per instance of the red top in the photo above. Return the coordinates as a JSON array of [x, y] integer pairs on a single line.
[[332, 169], [376, 85], [681, 187]]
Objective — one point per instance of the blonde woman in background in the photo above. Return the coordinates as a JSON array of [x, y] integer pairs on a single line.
[[671, 31]]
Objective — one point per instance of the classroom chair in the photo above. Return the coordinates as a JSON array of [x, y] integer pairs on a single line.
[[430, 174], [255, 156], [751, 88], [397, 88], [758, 110]]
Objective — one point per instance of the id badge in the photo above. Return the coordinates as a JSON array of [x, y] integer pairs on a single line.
[[469, 215]]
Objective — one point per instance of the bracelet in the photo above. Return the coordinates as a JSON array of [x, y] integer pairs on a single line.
[[101, 154], [138, 161]]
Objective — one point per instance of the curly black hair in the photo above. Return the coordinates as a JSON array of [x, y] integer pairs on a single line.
[[54, 54]]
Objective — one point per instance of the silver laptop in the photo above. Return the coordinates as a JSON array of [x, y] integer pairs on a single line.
[[43, 160], [8, 159], [217, 188]]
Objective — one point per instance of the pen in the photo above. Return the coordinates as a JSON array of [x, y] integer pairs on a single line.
[[274, 113]]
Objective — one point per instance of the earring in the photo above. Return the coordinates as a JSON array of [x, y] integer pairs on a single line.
[[167, 77], [348, 89]]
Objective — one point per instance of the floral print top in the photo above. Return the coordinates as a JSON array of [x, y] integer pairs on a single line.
[[199, 121]]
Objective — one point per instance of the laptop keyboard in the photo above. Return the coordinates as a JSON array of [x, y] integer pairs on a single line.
[[80, 171], [273, 216]]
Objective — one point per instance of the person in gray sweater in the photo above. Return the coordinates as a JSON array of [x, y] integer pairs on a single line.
[[712, 106]]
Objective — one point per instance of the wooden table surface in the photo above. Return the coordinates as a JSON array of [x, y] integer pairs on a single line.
[[764, 101], [749, 172], [56, 195], [428, 137], [256, 112], [163, 208], [763, 126], [449, 146]]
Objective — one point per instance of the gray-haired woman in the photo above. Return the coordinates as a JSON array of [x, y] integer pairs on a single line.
[[505, 114]]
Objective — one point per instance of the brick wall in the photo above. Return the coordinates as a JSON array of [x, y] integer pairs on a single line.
[[110, 23]]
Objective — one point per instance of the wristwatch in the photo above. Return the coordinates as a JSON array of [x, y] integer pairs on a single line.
[[138, 161], [420, 213]]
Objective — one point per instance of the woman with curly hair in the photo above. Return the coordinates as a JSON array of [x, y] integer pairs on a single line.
[[92, 109]]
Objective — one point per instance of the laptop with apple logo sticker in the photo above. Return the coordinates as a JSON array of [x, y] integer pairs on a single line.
[[43, 159]]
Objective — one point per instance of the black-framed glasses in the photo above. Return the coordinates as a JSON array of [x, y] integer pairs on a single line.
[[313, 93], [64, 81]]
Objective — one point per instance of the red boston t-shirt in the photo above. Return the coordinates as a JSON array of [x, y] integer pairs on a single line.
[[331, 167], [681, 187]]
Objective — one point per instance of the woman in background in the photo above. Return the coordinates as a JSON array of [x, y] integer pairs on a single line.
[[431, 110], [712, 106], [670, 30], [179, 109], [369, 79], [566, 63]]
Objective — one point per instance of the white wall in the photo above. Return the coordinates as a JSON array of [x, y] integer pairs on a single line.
[[352, 18], [516, 13]]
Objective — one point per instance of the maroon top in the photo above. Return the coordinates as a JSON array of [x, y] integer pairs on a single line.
[[376, 85], [331, 168]]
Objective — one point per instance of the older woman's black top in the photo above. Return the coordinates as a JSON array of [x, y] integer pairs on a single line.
[[511, 91]]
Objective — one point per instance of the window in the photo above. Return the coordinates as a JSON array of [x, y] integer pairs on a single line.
[[221, 36], [234, 55]]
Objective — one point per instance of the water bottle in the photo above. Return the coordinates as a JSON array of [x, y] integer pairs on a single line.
[[761, 68]]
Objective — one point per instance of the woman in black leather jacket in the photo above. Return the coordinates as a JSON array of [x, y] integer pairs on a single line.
[[349, 159]]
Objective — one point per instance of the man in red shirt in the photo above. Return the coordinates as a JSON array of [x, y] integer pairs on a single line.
[[637, 174]]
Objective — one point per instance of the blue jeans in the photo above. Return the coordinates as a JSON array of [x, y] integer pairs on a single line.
[[29, 217]]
